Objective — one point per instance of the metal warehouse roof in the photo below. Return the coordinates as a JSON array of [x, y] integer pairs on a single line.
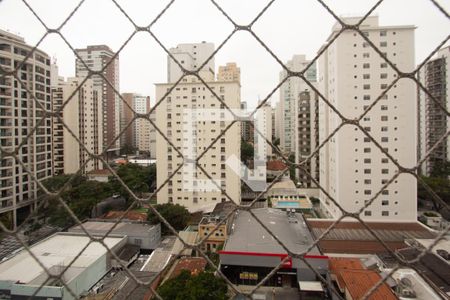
[[101, 227], [247, 235], [54, 253]]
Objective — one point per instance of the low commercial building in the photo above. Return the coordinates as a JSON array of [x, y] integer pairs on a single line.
[[209, 223], [251, 253], [21, 275], [144, 235]]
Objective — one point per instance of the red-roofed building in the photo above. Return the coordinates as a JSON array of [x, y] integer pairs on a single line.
[[195, 265], [355, 281], [358, 282], [131, 215]]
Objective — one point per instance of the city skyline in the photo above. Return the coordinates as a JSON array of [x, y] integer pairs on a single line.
[[259, 75]]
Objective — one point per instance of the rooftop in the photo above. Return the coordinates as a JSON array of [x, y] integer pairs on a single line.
[[101, 227], [276, 165], [359, 282], [353, 237], [131, 215], [54, 253], [247, 235], [194, 265]]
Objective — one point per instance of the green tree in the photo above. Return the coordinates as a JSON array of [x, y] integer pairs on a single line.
[[204, 286], [81, 197], [440, 169], [440, 185], [178, 216], [138, 179], [247, 151], [127, 149]]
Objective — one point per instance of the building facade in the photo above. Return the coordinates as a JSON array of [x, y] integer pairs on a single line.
[[352, 168], [139, 134], [96, 58], [82, 115], [20, 112], [171, 118], [306, 138], [191, 57], [433, 120], [229, 72], [289, 93]]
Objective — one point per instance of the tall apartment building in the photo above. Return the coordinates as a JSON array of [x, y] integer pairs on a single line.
[[171, 118], [433, 121], [229, 72], [82, 114], [351, 76], [140, 134], [264, 123], [96, 58], [19, 114], [306, 137], [191, 57], [246, 127], [289, 93]]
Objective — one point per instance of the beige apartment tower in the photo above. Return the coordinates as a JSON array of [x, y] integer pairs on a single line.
[[82, 115], [19, 114], [171, 114], [352, 168]]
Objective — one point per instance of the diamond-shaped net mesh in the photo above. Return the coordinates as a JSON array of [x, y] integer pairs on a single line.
[[13, 73]]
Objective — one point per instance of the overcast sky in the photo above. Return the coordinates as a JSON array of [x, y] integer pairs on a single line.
[[288, 27]]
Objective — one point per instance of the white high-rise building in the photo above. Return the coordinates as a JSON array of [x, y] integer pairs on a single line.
[[191, 57], [352, 168], [264, 123], [82, 114], [19, 114], [289, 93], [171, 116], [433, 121], [96, 58]]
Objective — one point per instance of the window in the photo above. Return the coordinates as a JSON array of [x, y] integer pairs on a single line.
[[367, 160], [385, 213], [383, 75], [366, 66], [383, 44], [384, 202], [366, 55], [366, 150], [366, 76], [383, 33], [384, 139], [384, 171], [383, 86], [383, 65], [384, 160], [384, 107], [367, 181], [367, 171], [367, 192], [384, 118], [366, 86], [365, 44], [366, 97], [367, 213]]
